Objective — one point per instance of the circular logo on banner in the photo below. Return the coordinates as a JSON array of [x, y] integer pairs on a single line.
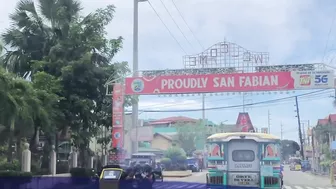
[[117, 135], [137, 85]]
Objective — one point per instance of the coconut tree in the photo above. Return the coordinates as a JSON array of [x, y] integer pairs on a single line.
[[35, 29], [15, 94]]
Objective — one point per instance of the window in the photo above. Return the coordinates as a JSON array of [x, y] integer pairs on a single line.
[[112, 174], [243, 155]]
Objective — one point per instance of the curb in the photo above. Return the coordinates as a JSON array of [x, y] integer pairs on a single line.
[[173, 176]]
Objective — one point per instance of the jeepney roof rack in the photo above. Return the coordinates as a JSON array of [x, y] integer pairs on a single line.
[[227, 136]]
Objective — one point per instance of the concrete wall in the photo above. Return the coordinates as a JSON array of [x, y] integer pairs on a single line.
[[161, 143]]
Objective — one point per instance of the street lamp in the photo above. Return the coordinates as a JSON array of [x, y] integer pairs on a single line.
[[135, 106]]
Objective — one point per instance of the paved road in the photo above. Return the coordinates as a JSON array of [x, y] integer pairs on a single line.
[[292, 180], [304, 180], [199, 177], [197, 181]]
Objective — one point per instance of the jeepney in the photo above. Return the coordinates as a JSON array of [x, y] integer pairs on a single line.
[[144, 158], [295, 164], [243, 159]]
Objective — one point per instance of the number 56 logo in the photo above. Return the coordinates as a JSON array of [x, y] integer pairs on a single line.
[[321, 79]]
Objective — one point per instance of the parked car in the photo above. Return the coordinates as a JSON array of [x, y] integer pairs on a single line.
[[193, 164]]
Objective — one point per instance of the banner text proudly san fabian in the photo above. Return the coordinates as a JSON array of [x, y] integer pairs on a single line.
[[210, 83]]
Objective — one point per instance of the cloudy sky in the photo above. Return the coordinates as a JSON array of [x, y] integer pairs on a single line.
[[291, 31]]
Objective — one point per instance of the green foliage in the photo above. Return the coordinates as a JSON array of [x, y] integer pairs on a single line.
[[181, 159], [13, 166], [188, 133], [175, 154], [289, 148], [26, 175], [166, 161], [70, 58]]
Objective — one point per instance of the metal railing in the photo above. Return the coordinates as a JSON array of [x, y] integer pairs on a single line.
[[216, 180]]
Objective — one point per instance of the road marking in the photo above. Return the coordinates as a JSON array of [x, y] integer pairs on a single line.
[[201, 186], [287, 187], [181, 185], [191, 186], [309, 187], [319, 187], [298, 187]]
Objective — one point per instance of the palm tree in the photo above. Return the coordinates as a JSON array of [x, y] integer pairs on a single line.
[[13, 92], [34, 32]]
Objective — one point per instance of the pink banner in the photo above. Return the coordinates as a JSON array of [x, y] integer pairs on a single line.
[[244, 123], [117, 137], [118, 105], [210, 83]]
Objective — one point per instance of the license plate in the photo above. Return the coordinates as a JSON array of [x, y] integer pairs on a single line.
[[244, 183]]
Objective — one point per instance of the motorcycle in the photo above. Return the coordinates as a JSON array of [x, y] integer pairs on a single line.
[[143, 180], [157, 173]]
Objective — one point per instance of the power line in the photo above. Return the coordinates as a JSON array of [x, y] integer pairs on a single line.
[[178, 10], [277, 103], [233, 106], [319, 94], [330, 29], [306, 98], [176, 24], [171, 34]]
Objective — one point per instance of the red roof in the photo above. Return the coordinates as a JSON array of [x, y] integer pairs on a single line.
[[322, 121], [172, 120], [332, 118]]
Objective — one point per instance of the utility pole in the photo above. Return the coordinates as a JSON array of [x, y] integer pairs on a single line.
[[281, 131], [304, 134], [299, 126], [269, 121], [135, 105], [310, 133]]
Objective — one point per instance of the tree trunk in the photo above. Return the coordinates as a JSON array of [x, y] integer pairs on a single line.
[[11, 141], [33, 142], [82, 155], [18, 149]]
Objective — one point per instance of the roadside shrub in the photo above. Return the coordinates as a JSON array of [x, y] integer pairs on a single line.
[[13, 166], [11, 173], [181, 159], [173, 152], [183, 168], [165, 161], [13, 179]]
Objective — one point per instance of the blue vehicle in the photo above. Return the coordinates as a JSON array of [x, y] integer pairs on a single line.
[[193, 164], [305, 165]]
